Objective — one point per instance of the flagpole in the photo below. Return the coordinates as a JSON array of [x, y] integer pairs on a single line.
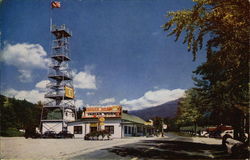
[[50, 24], [50, 15]]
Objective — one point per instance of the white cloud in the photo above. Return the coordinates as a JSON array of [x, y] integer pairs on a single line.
[[107, 101], [25, 57], [25, 75], [85, 80], [152, 98], [32, 96], [42, 84], [79, 103]]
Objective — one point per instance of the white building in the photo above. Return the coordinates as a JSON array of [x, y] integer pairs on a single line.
[[112, 119]]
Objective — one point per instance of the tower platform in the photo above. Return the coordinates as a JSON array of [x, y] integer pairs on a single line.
[[60, 31], [57, 96], [60, 57]]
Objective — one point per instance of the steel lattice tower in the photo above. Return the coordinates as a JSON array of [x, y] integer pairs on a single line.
[[59, 108]]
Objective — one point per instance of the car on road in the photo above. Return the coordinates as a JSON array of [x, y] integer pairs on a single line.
[[64, 134], [219, 131], [204, 134], [49, 134], [229, 132]]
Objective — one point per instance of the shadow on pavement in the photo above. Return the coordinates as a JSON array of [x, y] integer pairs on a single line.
[[162, 149]]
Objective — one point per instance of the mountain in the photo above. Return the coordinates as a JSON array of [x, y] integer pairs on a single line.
[[164, 110]]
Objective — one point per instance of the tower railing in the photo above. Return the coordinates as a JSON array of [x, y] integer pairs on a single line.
[[54, 85], [60, 28], [60, 52], [60, 42], [67, 74], [60, 107], [55, 94], [54, 64], [53, 104]]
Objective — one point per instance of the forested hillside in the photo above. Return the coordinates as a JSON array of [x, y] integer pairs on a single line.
[[164, 110], [18, 114]]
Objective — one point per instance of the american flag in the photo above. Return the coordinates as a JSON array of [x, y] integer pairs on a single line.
[[55, 4]]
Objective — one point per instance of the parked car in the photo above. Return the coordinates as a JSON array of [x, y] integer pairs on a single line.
[[64, 134], [49, 134], [215, 134], [219, 131], [204, 134], [229, 132]]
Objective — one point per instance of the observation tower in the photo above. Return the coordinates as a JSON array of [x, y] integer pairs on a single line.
[[59, 108]]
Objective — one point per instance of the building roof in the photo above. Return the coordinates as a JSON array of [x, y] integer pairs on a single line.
[[132, 118], [125, 116]]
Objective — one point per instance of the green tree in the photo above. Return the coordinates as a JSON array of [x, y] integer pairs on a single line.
[[7, 115], [79, 112], [158, 121], [188, 111], [18, 114], [224, 25]]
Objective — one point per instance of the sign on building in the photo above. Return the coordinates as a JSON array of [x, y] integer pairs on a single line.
[[101, 119], [69, 92], [107, 111]]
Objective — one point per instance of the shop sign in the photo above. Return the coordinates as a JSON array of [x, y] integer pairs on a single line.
[[101, 109], [93, 124], [101, 119], [69, 92]]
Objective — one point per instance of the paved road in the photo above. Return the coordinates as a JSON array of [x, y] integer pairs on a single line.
[[169, 147], [21, 148]]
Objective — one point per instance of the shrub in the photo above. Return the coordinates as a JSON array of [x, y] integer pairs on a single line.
[[12, 132], [96, 134]]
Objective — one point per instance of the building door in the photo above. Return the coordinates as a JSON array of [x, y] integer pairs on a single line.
[[109, 129], [77, 129], [93, 129], [125, 129]]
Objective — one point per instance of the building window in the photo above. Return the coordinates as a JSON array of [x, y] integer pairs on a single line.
[[129, 130], [125, 130], [110, 129], [93, 129], [77, 129], [139, 129]]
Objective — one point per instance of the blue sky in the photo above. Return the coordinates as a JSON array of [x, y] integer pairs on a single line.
[[119, 52]]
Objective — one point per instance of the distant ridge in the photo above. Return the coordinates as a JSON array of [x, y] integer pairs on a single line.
[[164, 110]]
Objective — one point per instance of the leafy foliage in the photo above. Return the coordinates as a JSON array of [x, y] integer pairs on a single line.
[[18, 114], [224, 21], [79, 112], [223, 80], [188, 111], [158, 121]]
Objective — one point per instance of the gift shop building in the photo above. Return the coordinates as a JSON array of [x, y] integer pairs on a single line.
[[111, 118]]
